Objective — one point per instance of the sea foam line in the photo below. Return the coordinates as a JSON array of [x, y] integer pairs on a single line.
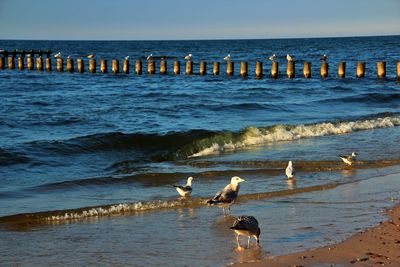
[[257, 136]]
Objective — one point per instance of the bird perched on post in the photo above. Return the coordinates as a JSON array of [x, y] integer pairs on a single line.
[[289, 57], [228, 58], [290, 170], [349, 159], [272, 58], [149, 57], [227, 196], [58, 55], [188, 57], [184, 190], [324, 57], [126, 58], [246, 226], [90, 56]]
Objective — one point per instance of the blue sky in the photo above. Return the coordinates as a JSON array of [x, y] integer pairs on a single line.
[[195, 19]]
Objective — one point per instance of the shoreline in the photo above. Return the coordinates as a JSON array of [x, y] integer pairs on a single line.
[[376, 246]]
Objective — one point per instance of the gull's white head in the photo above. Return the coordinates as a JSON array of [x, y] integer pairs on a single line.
[[353, 154], [290, 163], [236, 180], [189, 181]]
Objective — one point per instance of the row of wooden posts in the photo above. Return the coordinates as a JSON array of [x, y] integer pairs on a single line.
[[151, 67]]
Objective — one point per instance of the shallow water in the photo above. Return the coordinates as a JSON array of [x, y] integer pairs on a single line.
[[90, 159]]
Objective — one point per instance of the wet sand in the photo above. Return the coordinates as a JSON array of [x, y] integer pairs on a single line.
[[377, 246]]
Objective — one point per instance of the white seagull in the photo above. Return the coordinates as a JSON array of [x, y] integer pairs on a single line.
[[349, 159], [149, 57], [126, 58], [188, 57], [272, 58], [289, 57], [247, 226], [90, 56], [228, 195], [228, 57], [69, 56], [290, 170], [58, 55], [185, 190], [324, 57]]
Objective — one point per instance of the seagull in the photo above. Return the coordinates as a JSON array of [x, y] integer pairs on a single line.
[[324, 57], [247, 226], [149, 57], [228, 58], [185, 190], [228, 195], [272, 58], [69, 56], [90, 56], [126, 58], [58, 55], [188, 57], [290, 170], [289, 57], [349, 159]]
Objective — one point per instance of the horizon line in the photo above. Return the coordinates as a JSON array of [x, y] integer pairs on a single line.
[[205, 39]]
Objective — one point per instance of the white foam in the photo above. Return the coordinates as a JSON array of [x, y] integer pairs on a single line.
[[113, 210], [257, 136]]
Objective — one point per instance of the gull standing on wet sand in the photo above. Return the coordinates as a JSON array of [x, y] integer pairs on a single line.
[[228, 195], [185, 190], [349, 159], [290, 170], [247, 226]]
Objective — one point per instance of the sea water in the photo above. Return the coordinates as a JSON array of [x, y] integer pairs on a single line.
[[87, 160]]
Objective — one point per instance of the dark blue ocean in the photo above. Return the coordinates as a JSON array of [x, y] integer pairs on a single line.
[[89, 159]]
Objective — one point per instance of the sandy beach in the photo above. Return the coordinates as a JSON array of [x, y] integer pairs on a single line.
[[377, 246]]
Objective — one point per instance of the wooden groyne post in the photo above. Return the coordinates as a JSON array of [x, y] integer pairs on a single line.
[[138, 67], [92, 65], [70, 65], [59, 64], [381, 69], [398, 71], [177, 67], [290, 69], [151, 67], [274, 70], [103, 65], [324, 69], [229, 68], [360, 69], [29, 63], [2, 63], [259, 70], [48, 64], [307, 69], [342, 69], [163, 67], [125, 66], [39, 63], [189, 67], [243, 68], [115, 66], [203, 67], [21, 64], [80, 65], [216, 68]]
